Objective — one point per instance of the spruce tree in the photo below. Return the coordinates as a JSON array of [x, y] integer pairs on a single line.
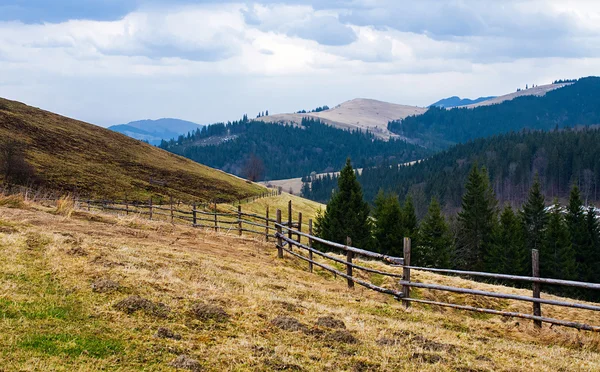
[[476, 221], [435, 245], [409, 219], [557, 258], [347, 214], [508, 254], [388, 228], [593, 227], [534, 218], [578, 231]]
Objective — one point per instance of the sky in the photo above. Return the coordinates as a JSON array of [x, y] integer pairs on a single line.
[[114, 61]]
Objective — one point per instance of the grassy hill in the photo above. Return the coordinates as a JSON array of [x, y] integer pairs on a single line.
[[357, 114], [72, 155], [68, 302]]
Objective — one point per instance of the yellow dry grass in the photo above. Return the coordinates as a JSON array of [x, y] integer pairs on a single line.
[[51, 319], [307, 207]]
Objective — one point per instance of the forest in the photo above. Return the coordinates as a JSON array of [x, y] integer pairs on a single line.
[[482, 236], [573, 105], [286, 151], [560, 158]]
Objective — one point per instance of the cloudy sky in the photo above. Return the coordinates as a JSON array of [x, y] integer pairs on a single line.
[[113, 61]]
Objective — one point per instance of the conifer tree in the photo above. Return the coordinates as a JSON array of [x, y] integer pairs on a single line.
[[593, 228], [476, 221], [578, 231], [435, 245], [508, 254], [347, 214], [409, 219], [557, 258], [534, 218], [388, 227]]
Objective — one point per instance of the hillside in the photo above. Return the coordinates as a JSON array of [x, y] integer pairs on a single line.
[[154, 131], [571, 105], [71, 155], [455, 101], [361, 114], [538, 91], [227, 303], [286, 151], [558, 157]]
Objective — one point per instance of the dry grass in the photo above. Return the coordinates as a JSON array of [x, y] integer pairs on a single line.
[[12, 201], [72, 155], [234, 305], [307, 207], [65, 206]]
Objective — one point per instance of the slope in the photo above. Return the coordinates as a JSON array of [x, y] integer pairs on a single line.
[[560, 158], [229, 304], [362, 114], [539, 90], [72, 155], [573, 104]]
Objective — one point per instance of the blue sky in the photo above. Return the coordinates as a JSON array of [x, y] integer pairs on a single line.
[[110, 62]]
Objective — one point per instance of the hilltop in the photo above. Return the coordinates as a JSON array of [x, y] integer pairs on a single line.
[[71, 155], [537, 91], [101, 292], [362, 114], [154, 131]]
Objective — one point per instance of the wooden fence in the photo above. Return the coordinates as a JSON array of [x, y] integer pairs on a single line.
[[289, 234]]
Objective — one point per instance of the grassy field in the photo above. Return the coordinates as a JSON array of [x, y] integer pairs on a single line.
[[308, 208], [75, 156], [87, 291]]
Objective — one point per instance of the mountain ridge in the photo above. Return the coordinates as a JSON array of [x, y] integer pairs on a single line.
[[153, 131]]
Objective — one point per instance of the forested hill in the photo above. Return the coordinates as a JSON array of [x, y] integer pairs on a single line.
[[574, 104], [262, 151], [559, 157]]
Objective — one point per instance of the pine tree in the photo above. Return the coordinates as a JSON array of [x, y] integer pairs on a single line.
[[476, 221], [578, 231], [388, 228], [347, 214], [534, 218], [435, 245], [508, 254], [557, 256]]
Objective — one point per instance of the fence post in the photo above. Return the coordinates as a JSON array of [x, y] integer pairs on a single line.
[[279, 232], [290, 222], [239, 220], [299, 226], [89, 205], [406, 272], [310, 254], [172, 215], [537, 307], [216, 225], [267, 224], [150, 204], [194, 220], [126, 206], [349, 256]]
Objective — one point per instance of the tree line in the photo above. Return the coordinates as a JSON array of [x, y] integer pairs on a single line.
[[482, 236], [559, 157], [288, 151]]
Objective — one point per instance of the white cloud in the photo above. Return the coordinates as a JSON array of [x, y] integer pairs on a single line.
[[217, 61]]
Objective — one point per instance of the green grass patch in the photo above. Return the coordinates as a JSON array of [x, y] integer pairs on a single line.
[[36, 310], [377, 279], [71, 345]]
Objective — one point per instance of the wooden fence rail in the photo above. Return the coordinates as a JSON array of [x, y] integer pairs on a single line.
[[288, 234]]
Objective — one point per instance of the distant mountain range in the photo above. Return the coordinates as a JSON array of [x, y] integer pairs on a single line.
[[455, 101], [154, 131]]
